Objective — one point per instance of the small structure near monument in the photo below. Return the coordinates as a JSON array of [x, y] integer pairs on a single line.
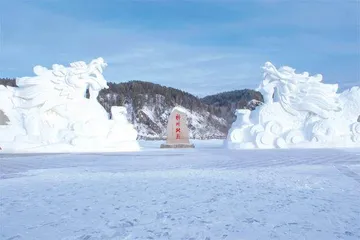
[[177, 130]]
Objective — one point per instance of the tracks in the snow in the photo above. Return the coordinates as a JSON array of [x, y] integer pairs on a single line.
[[347, 172]]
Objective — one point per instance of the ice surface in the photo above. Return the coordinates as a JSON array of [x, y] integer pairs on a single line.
[[50, 112], [299, 110], [202, 193]]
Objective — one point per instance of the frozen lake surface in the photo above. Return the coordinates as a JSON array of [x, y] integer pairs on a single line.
[[202, 193]]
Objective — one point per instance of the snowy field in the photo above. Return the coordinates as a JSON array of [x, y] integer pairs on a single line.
[[203, 193]]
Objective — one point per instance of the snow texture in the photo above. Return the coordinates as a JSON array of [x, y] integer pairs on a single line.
[[180, 109], [50, 112], [298, 111], [203, 193]]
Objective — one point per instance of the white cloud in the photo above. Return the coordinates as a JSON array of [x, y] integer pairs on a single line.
[[40, 37], [33, 36], [189, 68]]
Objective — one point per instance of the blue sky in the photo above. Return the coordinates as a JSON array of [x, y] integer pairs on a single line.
[[201, 46]]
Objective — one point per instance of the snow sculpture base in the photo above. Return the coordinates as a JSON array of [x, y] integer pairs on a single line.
[[50, 113], [299, 111]]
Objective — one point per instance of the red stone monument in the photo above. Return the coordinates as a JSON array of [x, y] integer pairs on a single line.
[[177, 130]]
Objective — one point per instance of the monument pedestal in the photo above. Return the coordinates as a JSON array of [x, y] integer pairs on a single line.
[[179, 145]]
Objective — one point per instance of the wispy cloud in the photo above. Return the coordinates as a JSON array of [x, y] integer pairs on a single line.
[[175, 44]]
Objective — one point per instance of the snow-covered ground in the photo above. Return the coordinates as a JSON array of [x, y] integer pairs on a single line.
[[202, 193]]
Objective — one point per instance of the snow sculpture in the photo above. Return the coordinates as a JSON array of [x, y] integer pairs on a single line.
[[299, 110], [51, 109]]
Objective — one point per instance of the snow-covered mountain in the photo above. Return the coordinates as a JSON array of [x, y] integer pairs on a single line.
[[151, 118], [202, 125], [149, 106]]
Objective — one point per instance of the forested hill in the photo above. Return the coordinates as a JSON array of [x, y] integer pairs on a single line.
[[228, 102], [149, 106], [236, 98]]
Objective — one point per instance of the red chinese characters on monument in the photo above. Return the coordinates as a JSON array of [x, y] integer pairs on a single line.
[[178, 129]]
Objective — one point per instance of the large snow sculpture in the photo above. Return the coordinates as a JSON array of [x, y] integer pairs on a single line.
[[51, 109], [299, 110]]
